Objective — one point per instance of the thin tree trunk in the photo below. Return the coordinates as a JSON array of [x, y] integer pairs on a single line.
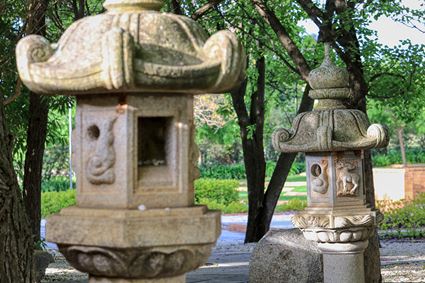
[[251, 129], [278, 179], [37, 129], [400, 132], [36, 138], [16, 248]]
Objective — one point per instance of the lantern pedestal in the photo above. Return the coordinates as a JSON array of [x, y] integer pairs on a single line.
[[343, 262], [120, 244], [178, 279]]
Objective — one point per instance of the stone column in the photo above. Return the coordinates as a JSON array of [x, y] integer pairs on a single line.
[[333, 137], [343, 262], [134, 72]]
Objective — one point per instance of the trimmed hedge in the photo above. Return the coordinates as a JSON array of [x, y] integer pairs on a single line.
[[414, 155], [53, 202], [220, 191], [237, 171], [56, 184]]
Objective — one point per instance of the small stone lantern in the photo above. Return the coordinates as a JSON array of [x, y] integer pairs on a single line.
[[134, 72], [333, 138]]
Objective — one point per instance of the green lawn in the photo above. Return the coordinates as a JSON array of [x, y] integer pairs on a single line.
[[296, 178], [300, 189], [244, 196]]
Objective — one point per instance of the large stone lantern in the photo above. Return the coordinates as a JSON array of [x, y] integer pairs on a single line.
[[134, 72], [334, 138]]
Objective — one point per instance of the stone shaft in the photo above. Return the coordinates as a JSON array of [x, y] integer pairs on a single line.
[[178, 279], [343, 262]]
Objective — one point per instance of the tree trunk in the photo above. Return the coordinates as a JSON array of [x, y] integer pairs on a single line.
[[251, 129], [400, 132], [37, 129], [278, 179], [16, 248], [36, 138]]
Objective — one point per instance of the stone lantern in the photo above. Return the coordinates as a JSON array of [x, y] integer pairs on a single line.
[[134, 72], [333, 139]]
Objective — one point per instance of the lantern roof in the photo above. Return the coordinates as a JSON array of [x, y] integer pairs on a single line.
[[330, 126], [132, 47]]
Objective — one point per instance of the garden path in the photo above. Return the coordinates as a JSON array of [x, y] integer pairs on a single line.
[[402, 261]]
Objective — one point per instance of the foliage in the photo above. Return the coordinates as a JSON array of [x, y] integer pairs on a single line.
[[56, 184], [220, 191], [53, 202], [232, 207], [413, 155], [237, 171], [292, 205], [404, 219]]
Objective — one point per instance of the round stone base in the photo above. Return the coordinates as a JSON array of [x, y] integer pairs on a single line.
[[177, 279]]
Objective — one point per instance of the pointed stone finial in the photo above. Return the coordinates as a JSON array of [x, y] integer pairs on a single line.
[[132, 5], [329, 81]]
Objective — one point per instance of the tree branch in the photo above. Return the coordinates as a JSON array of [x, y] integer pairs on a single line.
[[18, 91], [284, 37], [205, 9]]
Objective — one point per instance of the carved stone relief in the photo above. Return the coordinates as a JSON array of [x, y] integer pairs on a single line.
[[319, 177], [346, 235], [136, 262], [101, 160], [304, 221], [310, 221], [348, 180]]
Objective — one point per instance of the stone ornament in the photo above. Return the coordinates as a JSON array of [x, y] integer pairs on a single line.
[[347, 180], [139, 263], [99, 169], [319, 177], [348, 235], [304, 221], [132, 48], [134, 71], [330, 127], [334, 138]]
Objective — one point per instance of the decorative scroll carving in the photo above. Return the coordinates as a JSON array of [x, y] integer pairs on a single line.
[[136, 263], [133, 50], [379, 133], [99, 169], [280, 136], [347, 235], [319, 177], [351, 221], [347, 181], [310, 221]]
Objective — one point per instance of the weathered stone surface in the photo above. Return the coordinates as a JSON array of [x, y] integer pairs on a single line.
[[330, 127], [285, 256], [42, 259], [334, 138], [133, 228], [115, 151], [140, 263], [132, 48]]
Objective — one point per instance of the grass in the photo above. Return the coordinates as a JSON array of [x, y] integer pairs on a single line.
[[243, 196], [296, 178], [300, 189]]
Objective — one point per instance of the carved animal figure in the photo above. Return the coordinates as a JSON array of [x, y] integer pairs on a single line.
[[345, 177], [100, 162]]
